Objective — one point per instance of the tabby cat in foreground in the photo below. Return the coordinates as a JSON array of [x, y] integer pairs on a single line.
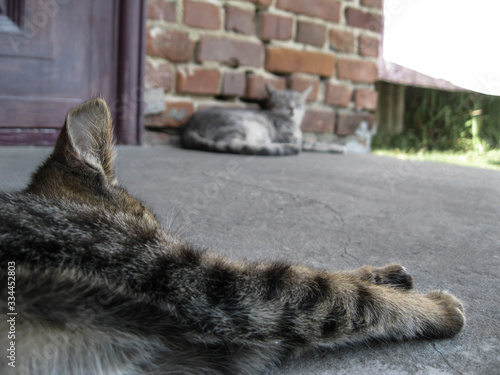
[[101, 288], [274, 131]]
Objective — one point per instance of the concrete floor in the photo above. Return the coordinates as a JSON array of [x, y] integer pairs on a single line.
[[335, 212]]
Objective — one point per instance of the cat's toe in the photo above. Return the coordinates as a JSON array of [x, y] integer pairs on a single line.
[[451, 312], [393, 275], [447, 299]]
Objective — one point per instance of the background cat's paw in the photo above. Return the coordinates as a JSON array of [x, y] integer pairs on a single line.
[[394, 275], [291, 148], [452, 310]]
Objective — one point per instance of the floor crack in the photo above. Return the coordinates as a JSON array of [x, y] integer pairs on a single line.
[[444, 359], [345, 254], [307, 199]]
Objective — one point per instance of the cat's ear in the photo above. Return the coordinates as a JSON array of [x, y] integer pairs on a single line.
[[307, 91], [270, 89], [87, 137]]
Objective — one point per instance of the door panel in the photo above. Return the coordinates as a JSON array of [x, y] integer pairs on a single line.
[[54, 54], [27, 28]]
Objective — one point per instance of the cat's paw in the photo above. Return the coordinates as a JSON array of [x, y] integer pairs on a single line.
[[451, 314], [446, 299], [393, 275], [291, 149]]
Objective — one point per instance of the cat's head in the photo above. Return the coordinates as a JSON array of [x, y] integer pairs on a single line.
[[288, 102]]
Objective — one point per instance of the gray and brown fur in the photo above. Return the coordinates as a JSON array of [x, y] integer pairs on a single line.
[[101, 288], [273, 131]]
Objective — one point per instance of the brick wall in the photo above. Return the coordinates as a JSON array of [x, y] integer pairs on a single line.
[[221, 52]]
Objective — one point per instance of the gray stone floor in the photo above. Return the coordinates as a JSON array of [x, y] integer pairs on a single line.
[[335, 212]]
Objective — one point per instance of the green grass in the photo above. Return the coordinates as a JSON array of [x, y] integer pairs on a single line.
[[486, 160], [449, 127]]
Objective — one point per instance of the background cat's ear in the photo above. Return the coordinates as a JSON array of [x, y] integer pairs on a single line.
[[87, 135], [307, 91], [270, 89]]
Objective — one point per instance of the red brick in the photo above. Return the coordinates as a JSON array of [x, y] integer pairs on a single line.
[[178, 112], [348, 123], [161, 10], [364, 20], [159, 74], [275, 27], [372, 3], [325, 9], [368, 46], [366, 99], [201, 15], [240, 20], [319, 121], [153, 137], [341, 41], [197, 81], [175, 115], [300, 83], [154, 120], [357, 71], [256, 89], [338, 95], [310, 33], [209, 105], [260, 2], [169, 44], [233, 84], [284, 60], [233, 52]]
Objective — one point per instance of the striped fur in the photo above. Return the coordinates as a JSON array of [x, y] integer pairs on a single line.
[[101, 288]]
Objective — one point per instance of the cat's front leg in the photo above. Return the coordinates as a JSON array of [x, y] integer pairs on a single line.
[[269, 311], [367, 303], [301, 307]]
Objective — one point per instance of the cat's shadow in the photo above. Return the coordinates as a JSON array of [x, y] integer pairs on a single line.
[[350, 359]]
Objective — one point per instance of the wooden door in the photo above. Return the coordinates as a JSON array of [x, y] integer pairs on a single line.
[[55, 54]]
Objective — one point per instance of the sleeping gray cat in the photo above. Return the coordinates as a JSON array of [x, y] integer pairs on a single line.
[[92, 284], [275, 131]]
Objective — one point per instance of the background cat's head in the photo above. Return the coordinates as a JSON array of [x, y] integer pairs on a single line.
[[288, 102]]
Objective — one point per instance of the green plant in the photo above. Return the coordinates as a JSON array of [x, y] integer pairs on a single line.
[[446, 121]]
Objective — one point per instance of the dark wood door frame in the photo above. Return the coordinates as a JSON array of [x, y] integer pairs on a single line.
[[131, 52]]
